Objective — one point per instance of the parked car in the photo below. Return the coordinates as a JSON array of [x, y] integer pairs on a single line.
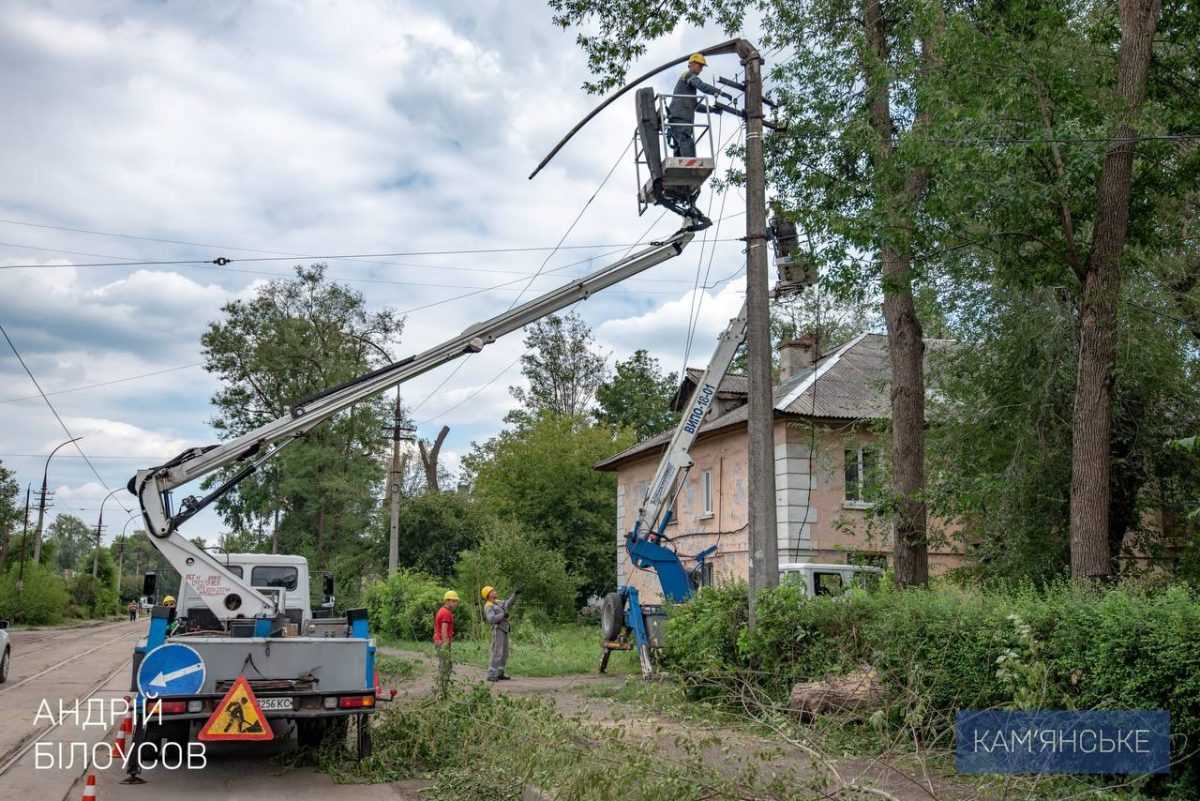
[[828, 579], [5, 651]]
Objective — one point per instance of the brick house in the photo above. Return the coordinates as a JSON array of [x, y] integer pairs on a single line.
[[828, 454]]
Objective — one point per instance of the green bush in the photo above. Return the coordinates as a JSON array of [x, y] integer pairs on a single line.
[[403, 605], [509, 558], [93, 596], [945, 649], [40, 602]]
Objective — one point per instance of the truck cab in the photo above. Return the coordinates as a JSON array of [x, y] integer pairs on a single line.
[[269, 573]]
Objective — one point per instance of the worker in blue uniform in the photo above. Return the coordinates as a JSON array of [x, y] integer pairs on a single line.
[[681, 111]]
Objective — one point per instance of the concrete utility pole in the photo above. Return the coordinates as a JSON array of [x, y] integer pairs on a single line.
[[764, 543], [42, 497], [400, 433]]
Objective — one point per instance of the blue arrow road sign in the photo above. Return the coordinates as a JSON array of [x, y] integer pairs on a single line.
[[171, 669]]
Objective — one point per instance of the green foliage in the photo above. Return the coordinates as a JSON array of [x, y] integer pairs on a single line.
[[537, 650], [638, 396], [540, 477], [41, 600], [10, 511], [72, 539], [292, 339], [93, 597], [435, 527], [402, 606], [941, 650], [510, 558], [562, 371]]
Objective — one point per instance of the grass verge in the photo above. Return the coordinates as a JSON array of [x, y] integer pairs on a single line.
[[556, 650]]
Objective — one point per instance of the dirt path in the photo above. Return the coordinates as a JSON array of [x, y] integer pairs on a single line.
[[733, 749]]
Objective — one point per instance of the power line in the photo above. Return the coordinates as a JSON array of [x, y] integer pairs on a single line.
[[222, 261], [54, 411], [497, 377], [542, 267], [105, 383]]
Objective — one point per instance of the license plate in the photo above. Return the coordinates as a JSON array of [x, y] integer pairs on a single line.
[[275, 704]]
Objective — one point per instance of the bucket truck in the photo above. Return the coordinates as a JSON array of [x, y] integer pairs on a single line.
[[315, 671]]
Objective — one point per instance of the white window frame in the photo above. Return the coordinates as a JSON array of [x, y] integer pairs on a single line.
[[858, 503], [706, 494]]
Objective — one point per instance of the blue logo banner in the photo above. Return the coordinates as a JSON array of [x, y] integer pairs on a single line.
[[1046, 741]]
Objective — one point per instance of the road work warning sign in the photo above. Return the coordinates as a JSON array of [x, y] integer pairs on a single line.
[[237, 717]]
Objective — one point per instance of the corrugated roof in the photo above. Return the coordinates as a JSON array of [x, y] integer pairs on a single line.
[[851, 383]]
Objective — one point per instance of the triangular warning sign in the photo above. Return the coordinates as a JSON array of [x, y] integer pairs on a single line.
[[237, 717]]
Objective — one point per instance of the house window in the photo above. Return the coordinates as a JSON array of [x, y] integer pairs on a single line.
[[706, 490], [706, 575], [862, 474]]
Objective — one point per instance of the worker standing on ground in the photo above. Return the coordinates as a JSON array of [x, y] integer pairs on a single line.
[[681, 111], [443, 637], [132, 610], [495, 612]]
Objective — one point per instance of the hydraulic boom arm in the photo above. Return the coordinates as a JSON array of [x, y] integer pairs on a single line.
[[226, 594], [644, 541]]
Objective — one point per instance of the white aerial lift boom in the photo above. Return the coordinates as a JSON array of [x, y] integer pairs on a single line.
[[229, 596]]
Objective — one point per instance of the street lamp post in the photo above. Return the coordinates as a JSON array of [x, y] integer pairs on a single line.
[[99, 530], [124, 544], [37, 543]]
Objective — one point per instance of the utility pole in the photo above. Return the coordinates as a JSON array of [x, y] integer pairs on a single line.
[[400, 433], [764, 543]]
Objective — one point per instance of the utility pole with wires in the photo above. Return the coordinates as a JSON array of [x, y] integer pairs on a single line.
[[401, 431], [763, 536]]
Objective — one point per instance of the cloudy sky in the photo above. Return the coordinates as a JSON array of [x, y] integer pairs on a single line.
[[143, 131]]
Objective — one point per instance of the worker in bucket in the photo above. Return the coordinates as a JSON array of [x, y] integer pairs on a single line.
[[443, 637], [495, 612], [681, 111]]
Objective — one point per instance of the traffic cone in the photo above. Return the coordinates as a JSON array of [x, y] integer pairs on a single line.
[[89, 788], [124, 731]]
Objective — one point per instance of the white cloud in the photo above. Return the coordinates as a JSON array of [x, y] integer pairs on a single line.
[[374, 126], [663, 331]]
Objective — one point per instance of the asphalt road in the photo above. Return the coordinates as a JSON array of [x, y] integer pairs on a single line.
[[60, 666]]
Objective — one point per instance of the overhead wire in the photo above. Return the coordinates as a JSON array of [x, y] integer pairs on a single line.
[[104, 383], [462, 362], [57, 417], [513, 363]]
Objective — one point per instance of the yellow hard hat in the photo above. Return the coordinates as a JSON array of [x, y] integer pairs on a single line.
[[450, 595], [169, 600], [486, 591], [697, 58]]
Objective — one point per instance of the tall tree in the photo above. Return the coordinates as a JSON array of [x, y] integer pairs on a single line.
[[10, 511], [638, 396], [562, 371], [540, 476], [1100, 276], [72, 539], [292, 339]]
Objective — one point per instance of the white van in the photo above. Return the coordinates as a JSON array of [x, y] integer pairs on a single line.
[[829, 579]]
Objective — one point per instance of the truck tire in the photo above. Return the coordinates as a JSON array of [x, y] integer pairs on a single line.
[[612, 616]]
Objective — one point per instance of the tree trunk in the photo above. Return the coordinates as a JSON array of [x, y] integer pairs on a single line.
[[1092, 425], [429, 458], [906, 344]]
